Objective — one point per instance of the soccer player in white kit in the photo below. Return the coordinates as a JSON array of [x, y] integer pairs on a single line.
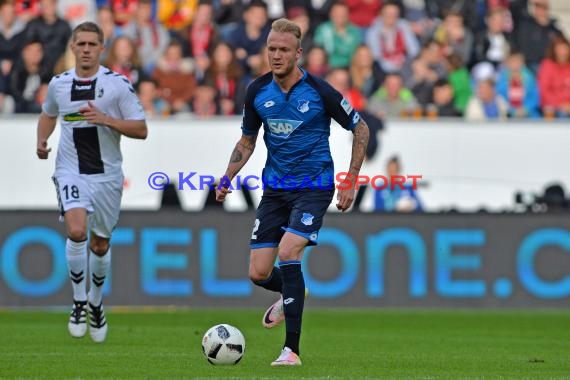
[[96, 106]]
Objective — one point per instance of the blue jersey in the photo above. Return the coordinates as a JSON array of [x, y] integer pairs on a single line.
[[296, 129]]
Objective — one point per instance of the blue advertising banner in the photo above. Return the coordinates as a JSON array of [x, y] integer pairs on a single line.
[[178, 258]]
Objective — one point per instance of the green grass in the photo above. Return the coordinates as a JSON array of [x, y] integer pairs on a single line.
[[353, 344]]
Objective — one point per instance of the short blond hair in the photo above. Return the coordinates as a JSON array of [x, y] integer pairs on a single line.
[[284, 25]]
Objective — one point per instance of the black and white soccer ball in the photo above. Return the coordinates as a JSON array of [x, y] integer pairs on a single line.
[[223, 345]]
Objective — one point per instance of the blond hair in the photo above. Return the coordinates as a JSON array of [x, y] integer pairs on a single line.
[[88, 27], [284, 25]]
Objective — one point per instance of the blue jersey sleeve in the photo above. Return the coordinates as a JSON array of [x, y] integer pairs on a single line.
[[251, 121], [336, 105]]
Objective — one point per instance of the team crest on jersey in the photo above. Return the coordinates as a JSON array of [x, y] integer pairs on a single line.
[[71, 117], [269, 103], [282, 127], [100, 93], [303, 106], [307, 219]]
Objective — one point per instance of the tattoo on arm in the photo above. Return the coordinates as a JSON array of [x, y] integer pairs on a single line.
[[236, 155], [359, 145], [240, 155]]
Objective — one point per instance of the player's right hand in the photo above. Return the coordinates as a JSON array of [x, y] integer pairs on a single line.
[[42, 150], [221, 192]]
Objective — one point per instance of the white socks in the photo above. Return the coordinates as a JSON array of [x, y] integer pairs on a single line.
[[76, 254], [99, 268]]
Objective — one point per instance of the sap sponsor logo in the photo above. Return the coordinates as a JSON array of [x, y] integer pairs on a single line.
[[345, 104], [269, 103], [282, 128]]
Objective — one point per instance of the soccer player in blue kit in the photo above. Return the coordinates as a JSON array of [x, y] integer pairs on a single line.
[[295, 109]]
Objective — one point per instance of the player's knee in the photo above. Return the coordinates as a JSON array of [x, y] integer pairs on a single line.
[[77, 233], [99, 247], [256, 276], [288, 253]]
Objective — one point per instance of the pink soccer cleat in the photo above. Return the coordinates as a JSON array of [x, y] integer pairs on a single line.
[[274, 315], [287, 357]]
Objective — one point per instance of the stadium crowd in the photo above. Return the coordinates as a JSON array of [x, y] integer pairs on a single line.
[[478, 59]]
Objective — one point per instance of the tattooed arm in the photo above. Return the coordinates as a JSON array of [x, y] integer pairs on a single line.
[[240, 155], [345, 195]]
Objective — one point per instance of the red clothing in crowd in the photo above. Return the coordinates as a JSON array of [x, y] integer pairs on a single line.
[[554, 83], [363, 12]]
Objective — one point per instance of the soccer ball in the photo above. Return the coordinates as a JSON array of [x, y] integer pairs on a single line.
[[223, 345]]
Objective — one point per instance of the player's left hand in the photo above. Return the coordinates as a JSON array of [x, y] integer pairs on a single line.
[[345, 197], [93, 114]]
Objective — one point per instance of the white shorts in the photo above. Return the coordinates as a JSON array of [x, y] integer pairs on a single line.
[[102, 200]]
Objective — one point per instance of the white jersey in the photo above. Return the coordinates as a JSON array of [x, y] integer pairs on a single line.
[[92, 151]]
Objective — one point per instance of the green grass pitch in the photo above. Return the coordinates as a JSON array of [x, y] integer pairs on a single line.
[[356, 344]]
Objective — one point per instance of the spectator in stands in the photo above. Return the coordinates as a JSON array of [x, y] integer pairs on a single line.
[[150, 36], [175, 78], [486, 104], [365, 73], [53, 32], [299, 16], [227, 16], [11, 42], [77, 11], [340, 80], [123, 58], [27, 10], [554, 78], [454, 37], [106, 21], [27, 77], [316, 61], [460, 81], [392, 99], [442, 100], [421, 82], [362, 13], [517, 85], [391, 40], [204, 101], [395, 197], [225, 75], [124, 10], [438, 9], [251, 35], [201, 35], [339, 37], [66, 61], [176, 14], [153, 104], [416, 13], [493, 43], [534, 31]]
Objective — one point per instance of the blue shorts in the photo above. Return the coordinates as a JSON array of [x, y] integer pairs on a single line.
[[297, 211]]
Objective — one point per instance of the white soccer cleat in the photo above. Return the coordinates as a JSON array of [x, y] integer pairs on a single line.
[[274, 315], [97, 323], [77, 324], [287, 357]]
